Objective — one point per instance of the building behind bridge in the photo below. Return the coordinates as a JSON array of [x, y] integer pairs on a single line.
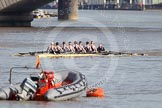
[[114, 4], [120, 4]]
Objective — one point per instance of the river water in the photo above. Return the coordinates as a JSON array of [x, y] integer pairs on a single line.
[[129, 82]]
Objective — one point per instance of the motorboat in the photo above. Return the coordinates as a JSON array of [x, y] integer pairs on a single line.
[[47, 86]]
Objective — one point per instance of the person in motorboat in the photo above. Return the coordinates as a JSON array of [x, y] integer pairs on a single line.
[[71, 48], [58, 49], [51, 48], [81, 48], [93, 47], [100, 48], [65, 47], [88, 47]]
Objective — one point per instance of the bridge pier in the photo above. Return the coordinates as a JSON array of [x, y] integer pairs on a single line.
[[67, 9], [15, 19]]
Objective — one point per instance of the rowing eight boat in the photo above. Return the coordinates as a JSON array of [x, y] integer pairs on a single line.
[[66, 55], [105, 54], [84, 55]]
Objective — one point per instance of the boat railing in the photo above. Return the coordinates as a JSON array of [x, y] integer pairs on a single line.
[[12, 70]]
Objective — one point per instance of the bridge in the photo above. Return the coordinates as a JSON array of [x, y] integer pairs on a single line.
[[19, 12]]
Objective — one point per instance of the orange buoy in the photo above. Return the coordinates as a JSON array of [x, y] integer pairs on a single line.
[[95, 92]]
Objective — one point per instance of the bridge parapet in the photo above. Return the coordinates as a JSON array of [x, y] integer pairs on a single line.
[[18, 12], [16, 19], [21, 5]]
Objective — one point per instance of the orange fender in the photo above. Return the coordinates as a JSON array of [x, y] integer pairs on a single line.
[[95, 92]]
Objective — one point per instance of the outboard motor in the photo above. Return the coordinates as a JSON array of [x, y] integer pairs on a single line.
[[28, 90]]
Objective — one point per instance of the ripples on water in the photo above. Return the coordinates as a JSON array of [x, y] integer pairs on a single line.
[[131, 81]]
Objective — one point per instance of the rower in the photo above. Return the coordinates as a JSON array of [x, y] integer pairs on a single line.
[[51, 48], [88, 47], [93, 47], [81, 48], [76, 46], [58, 49], [100, 48], [65, 47], [71, 48]]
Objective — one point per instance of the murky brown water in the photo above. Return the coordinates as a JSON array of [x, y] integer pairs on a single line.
[[127, 81]]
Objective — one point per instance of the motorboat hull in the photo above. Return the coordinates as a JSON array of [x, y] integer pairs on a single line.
[[69, 91]]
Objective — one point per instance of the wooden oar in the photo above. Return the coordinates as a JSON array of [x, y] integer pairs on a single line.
[[33, 53], [121, 53], [112, 52]]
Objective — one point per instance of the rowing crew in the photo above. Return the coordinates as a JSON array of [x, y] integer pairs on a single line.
[[75, 47]]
